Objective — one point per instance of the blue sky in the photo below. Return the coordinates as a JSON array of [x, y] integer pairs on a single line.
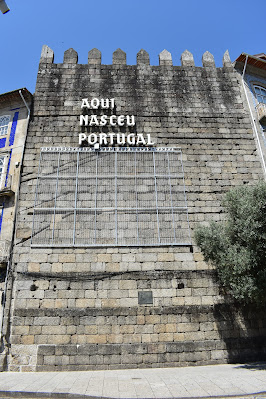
[[236, 25]]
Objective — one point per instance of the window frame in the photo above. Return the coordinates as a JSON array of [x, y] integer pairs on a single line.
[[5, 157], [4, 129], [261, 88]]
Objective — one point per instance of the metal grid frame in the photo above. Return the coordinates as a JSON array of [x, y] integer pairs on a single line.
[[113, 196]]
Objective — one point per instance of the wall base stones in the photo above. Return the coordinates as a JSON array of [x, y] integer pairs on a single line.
[[139, 337], [22, 358]]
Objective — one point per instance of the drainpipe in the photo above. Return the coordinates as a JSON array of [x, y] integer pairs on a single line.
[[252, 118], [15, 218]]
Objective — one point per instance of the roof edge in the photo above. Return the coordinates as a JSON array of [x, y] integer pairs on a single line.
[[12, 97], [254, 61]]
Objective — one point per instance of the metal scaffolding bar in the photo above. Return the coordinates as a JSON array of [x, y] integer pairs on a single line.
[[170, 188], [76, 198], [116, 238], [156, 197], [136, 194], [96, 189], [55, 198]]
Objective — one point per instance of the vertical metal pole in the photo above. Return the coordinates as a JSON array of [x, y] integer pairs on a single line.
[[156, 196], [56, 188], [76, 198], [136, 194], [173, 216], [185, 197], [116, 238], [95, 203]]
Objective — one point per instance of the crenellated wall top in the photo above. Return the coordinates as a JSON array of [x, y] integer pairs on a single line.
[[143, 58]]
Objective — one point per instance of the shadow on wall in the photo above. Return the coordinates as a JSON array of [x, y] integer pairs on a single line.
[[242, 331]]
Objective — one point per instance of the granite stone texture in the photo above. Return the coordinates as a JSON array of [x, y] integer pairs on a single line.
[[78, 308]]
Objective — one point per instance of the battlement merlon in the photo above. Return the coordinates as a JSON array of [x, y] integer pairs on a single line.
[[143, 58], [47, 55]]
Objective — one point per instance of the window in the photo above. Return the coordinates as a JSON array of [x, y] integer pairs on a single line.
[[2, 171], [260, 93], [4, 121], [110, 197]]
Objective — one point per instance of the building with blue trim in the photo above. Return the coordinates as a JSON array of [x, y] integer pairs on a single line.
[[14, 118], [253, 76]]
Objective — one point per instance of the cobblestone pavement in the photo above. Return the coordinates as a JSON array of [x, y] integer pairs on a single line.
[[184, 382]]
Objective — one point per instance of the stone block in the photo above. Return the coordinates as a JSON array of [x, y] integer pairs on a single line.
[[96, 339], [109, 303], [208, 60], [178, 301], [42, 284], [58, 339], [166, 257], [207, 326], [183, 257], [84, 303], [128, 258], [147, 257], [33, 267], [170, 328], [218, 354], [184, 327], [21, 330], [48, 321], [27, 340], [88, 350], [128, 302], [143, 58], [33, 303], [48, 303], [70, 56], [39, 258], [27, 369], [47, 55], [71, 330], [67, 258], [57, 267], [187, 59], [193, 301], [119, 57], [166, 337], [152, 319], [94, 57], [165, 58], [127, 285], [226, 60], [104, 258]]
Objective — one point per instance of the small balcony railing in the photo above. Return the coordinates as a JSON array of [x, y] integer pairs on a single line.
[[261, 111], [4, 250], [6, 187]]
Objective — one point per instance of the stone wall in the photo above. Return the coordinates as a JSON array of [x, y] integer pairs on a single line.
[[137, 337], [84, 308]]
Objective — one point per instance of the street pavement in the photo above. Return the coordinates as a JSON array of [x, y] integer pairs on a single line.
[[241, 380]]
